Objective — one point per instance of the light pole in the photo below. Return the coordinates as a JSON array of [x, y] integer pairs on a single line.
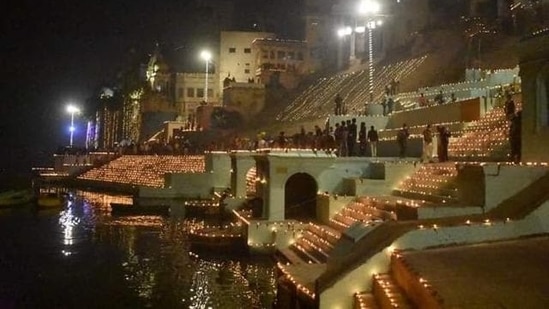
[[370, 9], [371, 25], [207, 56], [72, 110]]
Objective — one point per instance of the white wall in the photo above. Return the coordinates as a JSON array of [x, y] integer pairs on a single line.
[[340, 295], [236, 63], [504, 181]]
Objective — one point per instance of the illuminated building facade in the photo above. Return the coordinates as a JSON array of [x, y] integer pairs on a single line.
[[236, 56], [281, 62], [189, 92]]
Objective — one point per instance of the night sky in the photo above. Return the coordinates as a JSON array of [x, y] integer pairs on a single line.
[[56, 52]]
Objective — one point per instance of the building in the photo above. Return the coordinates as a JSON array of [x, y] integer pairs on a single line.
[[236, 57], [189, 92], [319, 34], [246, 98], [282, 62]]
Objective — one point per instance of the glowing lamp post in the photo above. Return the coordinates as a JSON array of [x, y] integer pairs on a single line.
[[207, 56], [370, 9], [72, 110]]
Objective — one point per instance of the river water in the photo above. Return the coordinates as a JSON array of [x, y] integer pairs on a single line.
[[82, 257]]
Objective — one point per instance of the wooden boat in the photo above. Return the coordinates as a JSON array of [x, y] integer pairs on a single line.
[[50, 200], [14, 198], [139, 210]]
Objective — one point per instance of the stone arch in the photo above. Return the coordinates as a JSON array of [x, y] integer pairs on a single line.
[[300, 192]]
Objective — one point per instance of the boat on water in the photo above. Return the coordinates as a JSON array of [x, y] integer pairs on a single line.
[[14, 198], [139, 210]]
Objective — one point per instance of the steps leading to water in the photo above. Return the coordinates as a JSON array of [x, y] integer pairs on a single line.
[[314, 246], [365, 300], [388, 294]]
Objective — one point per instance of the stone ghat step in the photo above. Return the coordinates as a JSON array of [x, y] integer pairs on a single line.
[[365, 300], [388, 294], [319, 241], [429, 197], [400, 208], [302, 252], [326, 232], [417, 289], [367, 210], [312, 250], [289, 256]]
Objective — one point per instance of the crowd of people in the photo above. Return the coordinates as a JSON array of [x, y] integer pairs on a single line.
[[345, 139]]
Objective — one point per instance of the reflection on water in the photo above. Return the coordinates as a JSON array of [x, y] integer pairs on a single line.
[[81, 256]]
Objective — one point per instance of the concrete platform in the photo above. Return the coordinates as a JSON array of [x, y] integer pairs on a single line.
[[510, 274]]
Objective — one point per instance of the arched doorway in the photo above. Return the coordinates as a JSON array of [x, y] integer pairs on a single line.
[[300, 197]]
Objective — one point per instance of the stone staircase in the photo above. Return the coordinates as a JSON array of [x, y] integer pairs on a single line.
[[388, 293], [486, 138], [402, 287], [365, 300], [360, 210], [314, 246], [434, 182], [430, 184]]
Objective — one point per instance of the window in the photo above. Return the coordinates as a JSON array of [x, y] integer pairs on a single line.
[[199, 92], [247, 50], [299, 56], [232, 50], [210, 93], [190, 92], [291, 55], [264, 54], [247, 71], [180, 92], [280, 54], [272, 54]]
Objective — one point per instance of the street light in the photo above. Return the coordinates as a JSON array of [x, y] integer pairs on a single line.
[[207, 56], [371, 25], [72, 110], [370, 9]]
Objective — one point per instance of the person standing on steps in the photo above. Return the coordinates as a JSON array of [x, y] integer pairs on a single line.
[[373, 139], [362, 140], [402, 140], [444, 140], [351, 139], [427, 156], [509, 107], [338, 105]]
